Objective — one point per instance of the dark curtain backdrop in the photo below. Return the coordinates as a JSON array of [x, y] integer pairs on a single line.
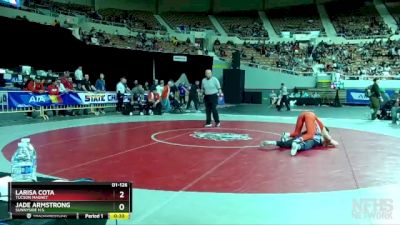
[[49, 48]]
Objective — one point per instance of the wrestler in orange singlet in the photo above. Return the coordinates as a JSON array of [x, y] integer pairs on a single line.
[[316, 134]]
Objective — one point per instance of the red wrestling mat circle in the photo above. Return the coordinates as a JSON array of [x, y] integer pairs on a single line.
[[182, 156]]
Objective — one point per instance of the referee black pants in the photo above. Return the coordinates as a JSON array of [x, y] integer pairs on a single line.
[[211, 102]]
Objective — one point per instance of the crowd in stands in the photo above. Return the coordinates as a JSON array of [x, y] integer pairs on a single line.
[[377, 58], [131, 18], [65, 8], [297, 19], [361, 61], [142, 42], [290, 56], [243, 25], [357, 19], [185, 22]]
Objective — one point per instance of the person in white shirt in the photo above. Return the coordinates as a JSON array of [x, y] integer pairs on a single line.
[[79, 75], [160, 87], [211, 88], [122, 88]]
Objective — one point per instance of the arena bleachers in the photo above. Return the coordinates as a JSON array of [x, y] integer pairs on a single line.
[[134, 19], [242, 24], [297, 19], [285, 56], [357, 19], [188, 21]]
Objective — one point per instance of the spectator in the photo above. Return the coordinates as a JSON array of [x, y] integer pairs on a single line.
[[182, 93], [137, 91], [154, 100], [194, 95], [53, 88], [122, 89], [160, 87], [79, 75], [395, 109], [146, 86], [316, 95], [86, 85], [67, 82], [165, 96], [35, 86], [272, 97], [154, 85], [100, 83]]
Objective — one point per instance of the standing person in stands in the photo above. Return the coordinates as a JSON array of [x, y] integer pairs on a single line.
[[154, 85], [100, 84], [86, 85], [79, 75], [194, 96], [211, 88], [122, 89], [146, 86], [160, 87], [182, 93], [165, 96], [375, 98], [284, 97]]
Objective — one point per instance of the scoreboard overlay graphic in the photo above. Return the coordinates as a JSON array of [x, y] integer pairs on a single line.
[[70, 200]]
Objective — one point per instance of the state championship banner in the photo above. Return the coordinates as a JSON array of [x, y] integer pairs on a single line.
[[357, 96], [98, 98], [29, 99], [101, 98]]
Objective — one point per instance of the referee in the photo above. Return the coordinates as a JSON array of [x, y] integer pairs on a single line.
[[211, 88]]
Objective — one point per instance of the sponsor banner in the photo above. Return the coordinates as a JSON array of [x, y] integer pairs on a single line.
[[357, 96], [28, 99]]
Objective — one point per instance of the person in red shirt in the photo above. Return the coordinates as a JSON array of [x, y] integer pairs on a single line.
[[68, 84], [35, 86], [53, 88], [154, 100], [316, 134]]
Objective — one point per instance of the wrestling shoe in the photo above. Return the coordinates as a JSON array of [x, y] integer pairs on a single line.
[[217, 124], [285, 136], [295, 147], [208, 125], [267, 143]]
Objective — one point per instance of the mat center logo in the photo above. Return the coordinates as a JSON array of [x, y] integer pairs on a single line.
[[216, 136]]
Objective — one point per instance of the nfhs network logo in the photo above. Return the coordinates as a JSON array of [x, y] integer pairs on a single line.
[[373, 208]]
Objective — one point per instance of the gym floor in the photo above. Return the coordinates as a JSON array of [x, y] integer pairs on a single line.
[[185, 174]]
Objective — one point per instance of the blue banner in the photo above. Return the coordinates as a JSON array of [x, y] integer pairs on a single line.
[[357, 96], [28, 99]]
